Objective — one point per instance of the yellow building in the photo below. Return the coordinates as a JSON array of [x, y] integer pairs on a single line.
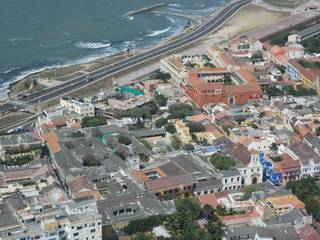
[[182, 131]]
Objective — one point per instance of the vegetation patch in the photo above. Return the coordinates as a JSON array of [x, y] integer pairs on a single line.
[[308, 191], [124, 139], [180, 110], [312, 45], [222, 162], [160, 122], [195, 127], [93, 121]]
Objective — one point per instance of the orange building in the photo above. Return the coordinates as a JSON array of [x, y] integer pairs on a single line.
[[212, 86]]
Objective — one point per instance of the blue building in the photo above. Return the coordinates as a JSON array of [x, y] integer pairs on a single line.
[[293, 70], [268, 170]]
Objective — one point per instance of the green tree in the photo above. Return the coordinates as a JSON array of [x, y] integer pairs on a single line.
[[274, 91], [208, 213], [195, 127], [69, 145], [274, 147], [176, 143], [222, 162], [280, 39], [170, 128], [141, 236], [281, 68], [161, 100], [301, 91], [124, 139], [162, 75], [308, 191], [77, 134], [215, 228], [180, 110], [90, 160], [144, 225], [312, 45], [93, 121], [160, 122], [186, 205], [188, 147], [248, 193]]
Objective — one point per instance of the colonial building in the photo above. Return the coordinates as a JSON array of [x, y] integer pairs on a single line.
[[212, 86], [80, 108]]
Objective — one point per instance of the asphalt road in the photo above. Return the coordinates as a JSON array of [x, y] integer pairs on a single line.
[[82, 81]]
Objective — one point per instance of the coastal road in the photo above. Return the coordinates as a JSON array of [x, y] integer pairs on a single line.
[[80, 82]]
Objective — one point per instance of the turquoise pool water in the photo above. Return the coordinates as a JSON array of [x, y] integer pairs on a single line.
[[131, 90]]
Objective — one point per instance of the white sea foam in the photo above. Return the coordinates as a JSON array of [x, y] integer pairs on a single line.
[[12, 69], [130, 18], [20, 39], [158, 32], [174, 5], [171, 20], [92, 45], [109, 51]]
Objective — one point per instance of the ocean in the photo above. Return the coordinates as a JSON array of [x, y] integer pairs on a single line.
[[40, 34]]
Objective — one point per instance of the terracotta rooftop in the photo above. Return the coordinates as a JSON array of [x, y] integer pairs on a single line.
[[81, 188], [199, 118], [209, 199], [169, 182], [28, 173], [287, 163], [52, 141], [292, 200]]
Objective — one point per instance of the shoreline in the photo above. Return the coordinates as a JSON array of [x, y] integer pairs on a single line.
[[71, 70], [230, 30], [87, 64]]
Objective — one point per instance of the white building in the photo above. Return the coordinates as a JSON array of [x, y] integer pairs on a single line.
[[294, 39], [309, 160], [261, 145], [231, 179], [252, 173], [245, 47], [73, 221], [247, 164], [80, 108]]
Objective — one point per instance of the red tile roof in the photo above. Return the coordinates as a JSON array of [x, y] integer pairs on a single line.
[[22, 174], [169, 182], [287, 163], [52, 141], [80, 187]]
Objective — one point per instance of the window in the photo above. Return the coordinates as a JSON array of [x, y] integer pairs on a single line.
[[92, 230], [231, 179], [76, 234], [226, 180]]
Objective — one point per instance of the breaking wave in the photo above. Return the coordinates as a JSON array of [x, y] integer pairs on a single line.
[[158, 32], [92, 45]]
